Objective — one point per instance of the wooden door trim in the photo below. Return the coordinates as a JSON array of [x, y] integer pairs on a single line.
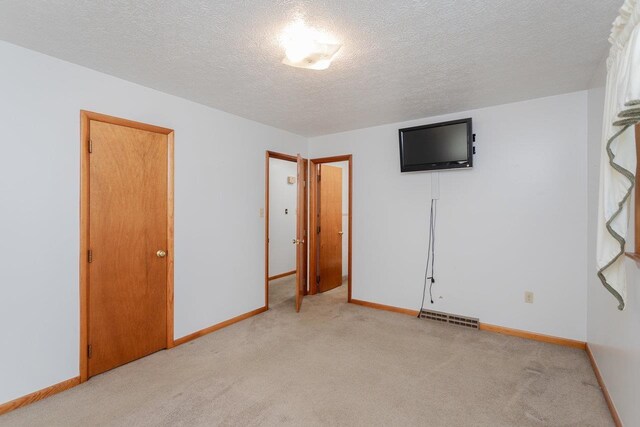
[[288, 158], [313, 190], [300, 231], [281, 156], [85, 118]]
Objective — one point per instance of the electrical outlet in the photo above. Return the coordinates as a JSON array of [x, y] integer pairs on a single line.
[[528, 297]]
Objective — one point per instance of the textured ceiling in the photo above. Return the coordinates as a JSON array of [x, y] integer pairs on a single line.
[[401, 59]]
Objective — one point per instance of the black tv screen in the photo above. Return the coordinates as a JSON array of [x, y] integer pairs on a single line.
[[447, 145]]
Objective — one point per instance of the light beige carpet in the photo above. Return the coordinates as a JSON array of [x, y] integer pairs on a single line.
[[336, 364]]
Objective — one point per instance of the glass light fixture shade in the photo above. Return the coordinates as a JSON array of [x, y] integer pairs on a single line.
[[308, 47], [314, 56]]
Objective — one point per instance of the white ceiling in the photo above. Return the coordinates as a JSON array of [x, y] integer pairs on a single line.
[[401, 60]]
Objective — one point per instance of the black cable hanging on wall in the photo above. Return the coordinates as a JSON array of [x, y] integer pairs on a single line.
[[431, 256]]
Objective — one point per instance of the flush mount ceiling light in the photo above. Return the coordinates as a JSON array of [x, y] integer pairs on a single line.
[[307, 47]]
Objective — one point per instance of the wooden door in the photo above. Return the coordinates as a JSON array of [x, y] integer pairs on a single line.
[[305, 220], [127, 291], [329, 239], [301, 233]]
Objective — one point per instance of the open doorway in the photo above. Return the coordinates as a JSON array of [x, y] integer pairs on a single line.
[[331, 210], [285, 229]]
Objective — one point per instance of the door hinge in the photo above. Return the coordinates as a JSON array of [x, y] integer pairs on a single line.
[[318, 177], [90, 146], [318, 279], [90, 256], [318, 230], [89, 351]]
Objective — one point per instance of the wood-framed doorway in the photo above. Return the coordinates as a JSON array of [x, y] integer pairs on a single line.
[[85, 256], [289, 158], [313, 210]]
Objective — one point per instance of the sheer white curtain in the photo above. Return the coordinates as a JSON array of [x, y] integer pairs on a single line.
[[618, 161]]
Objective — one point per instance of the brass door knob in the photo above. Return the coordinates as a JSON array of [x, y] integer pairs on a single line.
[[161, 254], [340, 233]]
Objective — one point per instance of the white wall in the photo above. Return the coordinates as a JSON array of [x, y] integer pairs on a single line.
[[613, 335], [282, 227], [516, 222], [219, 234]]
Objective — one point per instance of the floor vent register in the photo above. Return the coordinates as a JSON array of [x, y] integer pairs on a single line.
[[452, 319]]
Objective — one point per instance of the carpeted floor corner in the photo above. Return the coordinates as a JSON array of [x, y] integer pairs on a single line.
[[336, 364]]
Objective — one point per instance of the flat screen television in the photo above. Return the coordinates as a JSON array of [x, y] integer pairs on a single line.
[[447, 145]]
